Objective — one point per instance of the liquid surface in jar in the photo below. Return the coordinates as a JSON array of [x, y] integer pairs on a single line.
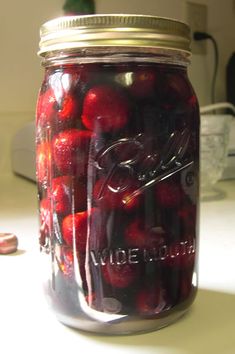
[[117, 170]]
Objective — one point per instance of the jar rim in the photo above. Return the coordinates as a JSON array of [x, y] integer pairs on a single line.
[[113, 30]]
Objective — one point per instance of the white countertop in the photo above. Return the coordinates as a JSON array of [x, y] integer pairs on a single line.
[[28, 326]]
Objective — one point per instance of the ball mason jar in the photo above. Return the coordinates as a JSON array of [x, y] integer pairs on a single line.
[[117, 147]]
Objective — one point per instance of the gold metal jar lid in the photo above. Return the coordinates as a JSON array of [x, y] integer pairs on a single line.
[[72, 32]]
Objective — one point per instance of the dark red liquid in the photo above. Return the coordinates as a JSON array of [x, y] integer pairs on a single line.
[[117, 169]]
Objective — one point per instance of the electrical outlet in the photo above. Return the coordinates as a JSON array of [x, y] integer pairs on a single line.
[[197, 20]]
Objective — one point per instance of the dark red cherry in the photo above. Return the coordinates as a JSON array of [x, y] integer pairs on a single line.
[[76, 76], [181, 255], [68, 259], [68, 194], [43, 162], [151, 300], [186, 286], [177, 91], [137, 235], [70, 151], [84, 229], [168, 194], [143, 82], [46, 107], [187, 215], [120, 276], [121, 152], [105, 109], [58, 105], [177, 85], [74, 230], [116, 192], [68, 110]]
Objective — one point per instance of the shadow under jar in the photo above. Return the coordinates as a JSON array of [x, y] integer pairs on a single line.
[[117, 169]]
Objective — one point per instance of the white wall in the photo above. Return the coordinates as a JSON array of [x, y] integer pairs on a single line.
[[20, 69], [166, 8]]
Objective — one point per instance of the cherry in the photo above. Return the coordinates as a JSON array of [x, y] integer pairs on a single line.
[[76, 76], [151, 301], [63, 80], [181, 255], [115, 193], [120, 276], [58, 105], [43, 162], [177, 87], [46, 107], [122, 152], [67, 111], [177, 91], [137, 235], [67, 258], [75, 226], [143, 82], [186, 286], [86, 228], [193, 102], [105, 109], [70, 151], [168, 194], [68, 194], [188, 216]]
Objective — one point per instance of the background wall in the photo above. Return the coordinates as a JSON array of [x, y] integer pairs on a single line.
[[20, 69], [19, 34]]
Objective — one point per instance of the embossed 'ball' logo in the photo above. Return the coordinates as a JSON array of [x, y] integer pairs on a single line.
[[147, 167]]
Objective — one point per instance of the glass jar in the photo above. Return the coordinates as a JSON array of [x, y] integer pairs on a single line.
[[117, 168]]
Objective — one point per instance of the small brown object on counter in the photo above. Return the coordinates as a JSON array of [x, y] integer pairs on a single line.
[[8, 243]]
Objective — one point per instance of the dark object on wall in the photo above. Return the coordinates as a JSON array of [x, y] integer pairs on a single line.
[[200, 36], [79, 7], [230, 79]]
